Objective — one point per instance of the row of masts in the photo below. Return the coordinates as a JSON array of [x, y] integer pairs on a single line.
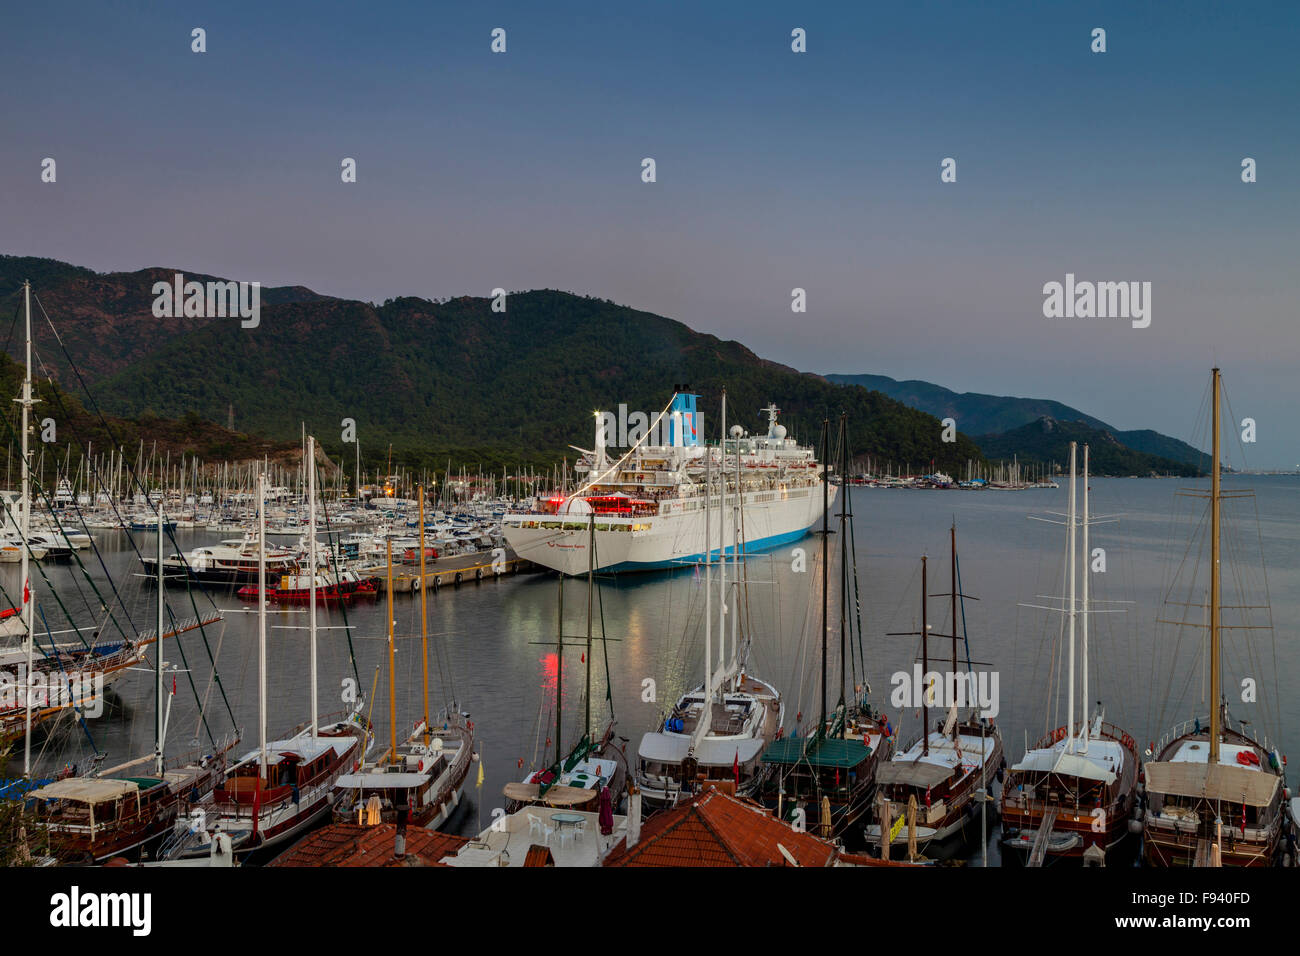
[[192, 479]]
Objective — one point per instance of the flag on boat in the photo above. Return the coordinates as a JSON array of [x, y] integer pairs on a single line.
[[735, 766], [927, 798], [479, 783], [27, 590]]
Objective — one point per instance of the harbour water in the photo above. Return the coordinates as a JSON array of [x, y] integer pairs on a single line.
[[499, 635]]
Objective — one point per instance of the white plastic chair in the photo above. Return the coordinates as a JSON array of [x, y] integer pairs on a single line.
[[580, 832], [567, 835], [534, 824], [549, 831]]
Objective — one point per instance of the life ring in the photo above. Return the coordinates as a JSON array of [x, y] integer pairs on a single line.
[[1059, 735]]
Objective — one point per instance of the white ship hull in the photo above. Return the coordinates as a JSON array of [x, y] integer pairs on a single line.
[[672, 538]]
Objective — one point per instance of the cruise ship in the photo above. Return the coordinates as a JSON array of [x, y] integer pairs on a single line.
[[648, 503]]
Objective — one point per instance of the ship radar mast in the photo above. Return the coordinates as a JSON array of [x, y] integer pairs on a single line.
[[772, 411]]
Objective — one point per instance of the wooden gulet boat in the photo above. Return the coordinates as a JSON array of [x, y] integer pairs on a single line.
[[417, 781], [716, 734], [1073, 794], [278, 790], [1214, 794], [942, 778], [595, 764], [829, 776], [95, 818]]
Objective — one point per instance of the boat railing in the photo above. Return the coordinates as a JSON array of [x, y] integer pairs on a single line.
[[181, 627], [1107, 730], [1188, 726]]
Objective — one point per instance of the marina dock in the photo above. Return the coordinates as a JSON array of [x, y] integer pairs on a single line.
[[452, 570]]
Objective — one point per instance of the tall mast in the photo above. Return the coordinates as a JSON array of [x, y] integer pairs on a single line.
[[310, 465], [708, 581], [925, 660], [1214, 582], [157, 660], [826, 532], [952, 570], [844, 567], [737, 511], [559, 669], [591, 573], [1083, 606], [424, 621], [25, 524], [1069, 707], [261, 621], [722, 538], [392, 665]]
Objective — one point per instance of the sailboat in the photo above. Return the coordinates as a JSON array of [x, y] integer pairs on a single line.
[[417, 781], [595, 768], [71, 677], [943, 776], [1214, 794], [112, 813], [284, 786], [714, 735], [1072, 795], [830, 774]]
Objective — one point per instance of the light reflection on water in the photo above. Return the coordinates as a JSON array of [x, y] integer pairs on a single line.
[[499, 635]]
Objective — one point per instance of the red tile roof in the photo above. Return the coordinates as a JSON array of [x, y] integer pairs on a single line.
[[717, 829], [350, 844]]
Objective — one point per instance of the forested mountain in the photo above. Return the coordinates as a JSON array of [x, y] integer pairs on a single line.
[[979, 414], [437, 380]]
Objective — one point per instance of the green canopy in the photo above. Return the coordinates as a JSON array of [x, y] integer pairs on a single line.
[[825, 754]]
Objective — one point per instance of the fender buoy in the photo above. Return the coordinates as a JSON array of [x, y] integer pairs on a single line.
[[437, 580], [478, 574], [458, 577]]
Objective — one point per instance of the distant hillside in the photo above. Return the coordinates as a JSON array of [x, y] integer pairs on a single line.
[[979, 414], [1047, 442], [440, 379], [105, 320], [77, 428]]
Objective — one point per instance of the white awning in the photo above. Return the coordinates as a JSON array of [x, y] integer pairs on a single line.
[[1217, 782], [86, 790], [1066, 764], [712, 751], [663, 748]]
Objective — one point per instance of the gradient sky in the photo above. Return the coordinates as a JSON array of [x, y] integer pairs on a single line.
[[775, 170]]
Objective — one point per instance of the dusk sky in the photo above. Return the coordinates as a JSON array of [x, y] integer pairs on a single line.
[[775, 170]]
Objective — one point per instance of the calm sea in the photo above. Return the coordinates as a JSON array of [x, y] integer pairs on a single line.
[[493, 643]]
